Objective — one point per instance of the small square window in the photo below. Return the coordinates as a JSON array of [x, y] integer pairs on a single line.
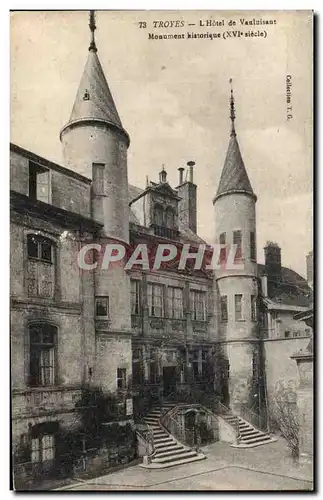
[[102, 306]]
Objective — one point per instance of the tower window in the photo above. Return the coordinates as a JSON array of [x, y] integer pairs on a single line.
[[252, 246], [223, 251], [253, 308], [86, 96], [237, 240], [102, 306], [238, 307], [224, 308], [39, 183], [98, 178]]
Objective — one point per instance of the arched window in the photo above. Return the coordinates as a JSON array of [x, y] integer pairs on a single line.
[[42, 369], [158, 215], [40, 266], [170, 218]]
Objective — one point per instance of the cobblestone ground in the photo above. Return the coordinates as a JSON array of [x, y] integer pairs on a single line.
[[267, 467]]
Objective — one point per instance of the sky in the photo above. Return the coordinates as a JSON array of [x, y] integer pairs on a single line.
[[173, 100]]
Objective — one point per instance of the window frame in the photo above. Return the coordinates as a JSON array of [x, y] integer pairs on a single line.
[[194, 300], [121, 377], [35, 168], [151, 298], [97, 299], [224, 317], [253, 308], [238, 317], [37, 348], [253, 249], [238, 253], [136, 297], [173, 311]]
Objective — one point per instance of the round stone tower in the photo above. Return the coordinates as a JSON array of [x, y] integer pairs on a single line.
[[95, 145], [236, 280]]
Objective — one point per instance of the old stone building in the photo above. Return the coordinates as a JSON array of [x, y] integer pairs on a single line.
[[131, 330]]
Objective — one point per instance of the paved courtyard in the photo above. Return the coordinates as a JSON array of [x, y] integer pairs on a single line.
[[266, 467]]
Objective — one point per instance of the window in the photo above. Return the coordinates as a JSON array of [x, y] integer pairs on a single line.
[[43, 449], [121, 378], [237, 240], [195, 365], [252, 246], [198, 308], [205, 370], [42, 354], [224, 308], [223, 251], [170, 218], [40, 268], [156, 300], [98, 178], [135, 297], [175, 302], [158, 215], [253, 308], [153, 372], [102, 306], [39, 183], [238, 307]]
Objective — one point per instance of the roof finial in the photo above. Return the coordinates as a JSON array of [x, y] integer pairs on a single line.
[[92, 28], [232, 111]]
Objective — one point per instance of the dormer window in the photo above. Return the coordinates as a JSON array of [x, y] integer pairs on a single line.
[[170, 218], [158, 215], [39, 183]]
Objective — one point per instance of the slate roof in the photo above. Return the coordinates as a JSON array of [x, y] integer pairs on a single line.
[[234, 177], [292, 289], [94, 99]]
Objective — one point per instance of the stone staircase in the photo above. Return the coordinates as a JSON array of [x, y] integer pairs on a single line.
[[250, 436], [168, 451]]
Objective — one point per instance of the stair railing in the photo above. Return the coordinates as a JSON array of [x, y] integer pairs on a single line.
[[251, 417], [146, 434], [173, 426]]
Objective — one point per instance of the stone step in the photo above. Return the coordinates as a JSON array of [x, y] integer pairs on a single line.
[[252, 432], [150, 420], [174, 457], [162, 444], [183, 461], [165, 440], [261, 438], [160, 434], [170, 447], [181, 449]]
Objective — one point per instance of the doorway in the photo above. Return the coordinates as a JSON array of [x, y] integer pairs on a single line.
[[169, 379]]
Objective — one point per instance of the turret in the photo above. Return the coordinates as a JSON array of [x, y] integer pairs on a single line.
[[95, 145], [235, 224]]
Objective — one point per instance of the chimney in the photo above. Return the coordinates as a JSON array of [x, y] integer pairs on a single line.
[[187, 205], [181, 176], [264, 285], [273, 261]]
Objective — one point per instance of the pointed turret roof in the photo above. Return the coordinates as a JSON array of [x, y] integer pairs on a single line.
[[94, 100], [234, 177]]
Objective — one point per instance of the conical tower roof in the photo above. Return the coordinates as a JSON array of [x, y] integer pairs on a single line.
[[234, 177], [94, 100]]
